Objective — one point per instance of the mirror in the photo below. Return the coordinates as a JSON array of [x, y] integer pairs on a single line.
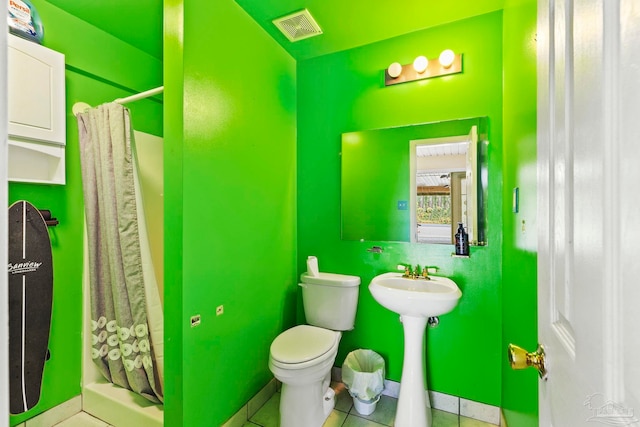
[[415, 183]]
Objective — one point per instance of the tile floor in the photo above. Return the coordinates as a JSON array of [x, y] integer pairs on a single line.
[[345, 415], [82, 419]]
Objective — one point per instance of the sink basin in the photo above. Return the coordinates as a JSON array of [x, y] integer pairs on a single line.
[[415, 297], [414, 300]]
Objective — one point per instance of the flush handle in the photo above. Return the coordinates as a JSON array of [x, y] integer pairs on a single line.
[[519, 358]]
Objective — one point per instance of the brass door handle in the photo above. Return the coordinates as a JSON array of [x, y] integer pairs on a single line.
[[519, 358]]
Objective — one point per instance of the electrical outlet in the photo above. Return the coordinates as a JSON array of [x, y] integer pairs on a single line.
[[220, 310], [195, 320]]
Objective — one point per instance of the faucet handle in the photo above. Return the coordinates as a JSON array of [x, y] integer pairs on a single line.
[[406, 268], [429, 269]]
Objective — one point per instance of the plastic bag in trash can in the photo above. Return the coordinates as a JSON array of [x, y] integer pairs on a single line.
[[363, 374]]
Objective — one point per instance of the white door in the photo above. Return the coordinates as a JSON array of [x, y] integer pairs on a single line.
[[4, 242], [589, 211]]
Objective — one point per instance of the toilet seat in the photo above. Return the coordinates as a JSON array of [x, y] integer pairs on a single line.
[[303, 346]]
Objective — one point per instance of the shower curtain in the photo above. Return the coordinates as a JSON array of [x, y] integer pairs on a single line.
[[122, 346]]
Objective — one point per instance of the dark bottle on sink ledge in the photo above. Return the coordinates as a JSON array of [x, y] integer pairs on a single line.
[[462, 241]]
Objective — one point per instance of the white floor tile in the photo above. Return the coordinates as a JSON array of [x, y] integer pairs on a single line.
[[344, 401], [353, 421], [56, 414], [470, 422], [269, 414], [384, 413], [444, 419], [82, 420], [238, 419], [261, 397], [345, 415], [335, 419]]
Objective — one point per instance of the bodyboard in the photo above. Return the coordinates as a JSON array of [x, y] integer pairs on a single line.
[[30, 271]]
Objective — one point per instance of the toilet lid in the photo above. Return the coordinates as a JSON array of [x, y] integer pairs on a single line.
[[302, 343]]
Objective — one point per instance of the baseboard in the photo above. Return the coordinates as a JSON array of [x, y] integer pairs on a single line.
[[253, 405], [55, 415], [120, 407]]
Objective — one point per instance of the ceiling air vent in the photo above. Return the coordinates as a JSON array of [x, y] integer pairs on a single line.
[[297, 26]]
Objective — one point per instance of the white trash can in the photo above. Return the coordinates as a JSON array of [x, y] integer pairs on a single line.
[[363, 375]]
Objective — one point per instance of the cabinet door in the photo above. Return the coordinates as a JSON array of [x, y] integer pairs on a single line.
[[36, 92]]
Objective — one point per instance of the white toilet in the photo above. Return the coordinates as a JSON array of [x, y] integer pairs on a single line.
[[302, 357]]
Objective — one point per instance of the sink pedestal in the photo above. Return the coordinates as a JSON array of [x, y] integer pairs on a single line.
[[415, 300], [414, 408]]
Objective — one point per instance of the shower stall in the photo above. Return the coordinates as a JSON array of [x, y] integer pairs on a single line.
[[125, 352]]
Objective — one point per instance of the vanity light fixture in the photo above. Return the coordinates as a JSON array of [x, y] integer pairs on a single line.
[[422, 68]]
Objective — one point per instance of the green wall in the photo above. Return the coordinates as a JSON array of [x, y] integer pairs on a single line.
[[345, 92], [98, 69], [519, 388], [173, 209], [230, 189]]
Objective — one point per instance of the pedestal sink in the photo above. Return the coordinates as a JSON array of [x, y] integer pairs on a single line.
[[415, 300]]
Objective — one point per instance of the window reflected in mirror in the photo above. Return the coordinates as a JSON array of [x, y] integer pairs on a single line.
[[444, 185]]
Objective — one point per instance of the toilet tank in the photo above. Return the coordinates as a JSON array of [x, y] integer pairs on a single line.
[[330, 300]]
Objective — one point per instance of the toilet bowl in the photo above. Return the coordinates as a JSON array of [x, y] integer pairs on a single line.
[[301, 358]]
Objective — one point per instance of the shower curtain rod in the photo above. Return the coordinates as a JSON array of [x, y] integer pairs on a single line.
[[141, 95], [81, 107]]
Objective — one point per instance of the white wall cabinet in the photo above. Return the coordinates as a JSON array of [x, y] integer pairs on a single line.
[[36, 110]]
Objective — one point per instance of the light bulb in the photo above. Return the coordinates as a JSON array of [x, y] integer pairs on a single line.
[[446, 58], [394, 70], [420, 64]]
